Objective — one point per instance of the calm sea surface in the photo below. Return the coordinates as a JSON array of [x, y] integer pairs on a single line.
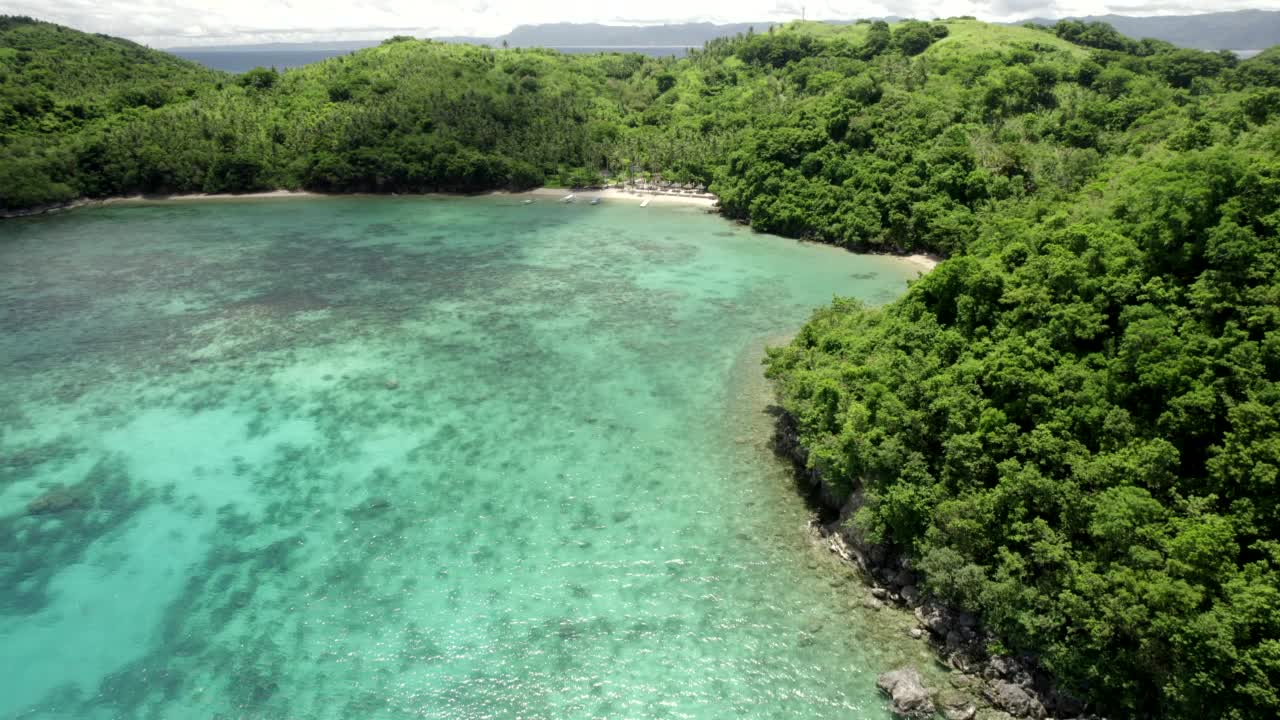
[[413, 458], [238, 61]]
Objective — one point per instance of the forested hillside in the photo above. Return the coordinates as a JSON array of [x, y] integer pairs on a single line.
[[54, 79], [869, 135], [1072, 426]]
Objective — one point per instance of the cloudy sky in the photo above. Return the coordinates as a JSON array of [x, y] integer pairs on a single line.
[[167, 23]]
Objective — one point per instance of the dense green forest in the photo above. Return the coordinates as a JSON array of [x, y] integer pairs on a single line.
[[1072, 425]]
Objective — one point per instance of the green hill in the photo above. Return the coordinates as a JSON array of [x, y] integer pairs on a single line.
[[1072, 427], [56, 83], [52, 78]]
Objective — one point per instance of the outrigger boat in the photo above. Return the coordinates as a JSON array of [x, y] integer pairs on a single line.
[[568, 198]]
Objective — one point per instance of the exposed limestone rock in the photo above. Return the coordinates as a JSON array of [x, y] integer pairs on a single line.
[[1014, 699], [841, 547], [1010, 669], [933, 618], [960, 661], [910, 594], [956, 705], [910, 698]]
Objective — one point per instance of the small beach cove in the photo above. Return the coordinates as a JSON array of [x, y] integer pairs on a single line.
[[615, 194], [412, 457], [923, 261]]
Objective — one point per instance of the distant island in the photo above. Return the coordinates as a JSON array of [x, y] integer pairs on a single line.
[[1233, 30], [1243, 30]]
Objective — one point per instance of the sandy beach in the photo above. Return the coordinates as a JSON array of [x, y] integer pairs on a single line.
[[210, 196], [924, 261], [616, 195], [612, 194]]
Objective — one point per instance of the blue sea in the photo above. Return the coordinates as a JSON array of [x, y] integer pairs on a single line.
[[415, 458]]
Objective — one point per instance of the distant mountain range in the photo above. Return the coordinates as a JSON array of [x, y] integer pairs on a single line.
[[1240, 30], [657, 40], [575, 34], [593, 35]]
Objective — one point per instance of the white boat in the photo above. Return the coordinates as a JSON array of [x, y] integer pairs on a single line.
[[528, 202], [646, 202], [595, 201], [568, 198]]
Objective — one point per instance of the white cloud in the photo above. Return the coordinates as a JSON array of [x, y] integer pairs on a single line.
[[164, 23]]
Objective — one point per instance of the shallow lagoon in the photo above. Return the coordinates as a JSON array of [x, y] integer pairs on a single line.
[[412, 458]]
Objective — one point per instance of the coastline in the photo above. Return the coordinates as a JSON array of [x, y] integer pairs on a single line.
[[703, 201], [617, 194], [706, 201], [925, 262], [145, 199], [129, 199], [979, 684], [535, 194]]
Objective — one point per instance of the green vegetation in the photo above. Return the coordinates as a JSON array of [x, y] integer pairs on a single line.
[[1075, 429], [1072, 426]]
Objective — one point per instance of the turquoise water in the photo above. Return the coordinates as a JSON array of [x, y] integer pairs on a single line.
[[412, 458]]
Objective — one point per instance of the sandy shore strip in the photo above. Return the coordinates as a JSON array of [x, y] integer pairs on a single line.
[[612, 194], [634, 197], [924, 261], [210, 196]]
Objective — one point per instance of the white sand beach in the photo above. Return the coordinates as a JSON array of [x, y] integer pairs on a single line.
[[615, 194], [924, 261], [621, 195], [210, 196]]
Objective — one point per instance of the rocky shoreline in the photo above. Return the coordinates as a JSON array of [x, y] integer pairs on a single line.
[[49, 209], [983, 686]]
